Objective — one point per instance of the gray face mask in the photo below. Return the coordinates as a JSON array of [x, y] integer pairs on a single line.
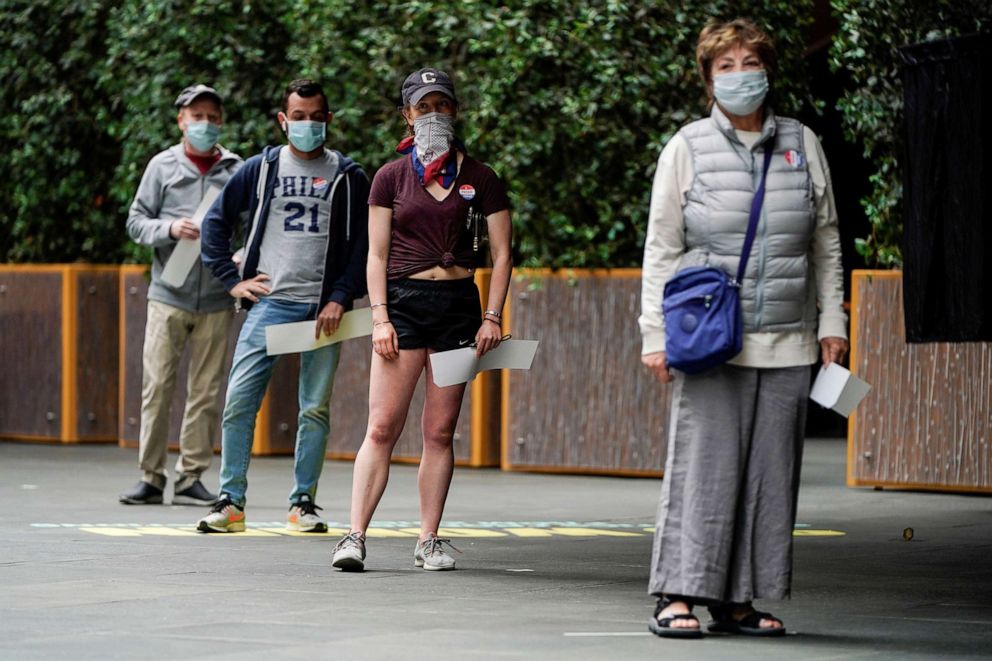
[[432, 134], [740, 92]]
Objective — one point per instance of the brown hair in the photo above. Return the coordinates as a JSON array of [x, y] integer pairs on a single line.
[[718, 36]]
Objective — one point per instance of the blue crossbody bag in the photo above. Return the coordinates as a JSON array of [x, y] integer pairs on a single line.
[[702, 308]]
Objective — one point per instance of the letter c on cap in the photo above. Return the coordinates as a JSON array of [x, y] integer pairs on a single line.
[[428, 77]]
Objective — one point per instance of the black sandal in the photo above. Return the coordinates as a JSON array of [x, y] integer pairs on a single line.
[[664, 628], [749, 625]]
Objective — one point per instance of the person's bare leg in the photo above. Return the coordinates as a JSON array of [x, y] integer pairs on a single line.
[[391, 386], [441, 408]]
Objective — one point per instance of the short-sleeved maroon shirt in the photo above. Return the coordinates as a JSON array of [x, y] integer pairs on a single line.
[[425, 231]]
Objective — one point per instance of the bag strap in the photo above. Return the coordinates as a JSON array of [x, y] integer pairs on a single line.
[[752, 223]]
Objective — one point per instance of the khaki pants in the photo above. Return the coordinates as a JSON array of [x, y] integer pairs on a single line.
[[167, 332]]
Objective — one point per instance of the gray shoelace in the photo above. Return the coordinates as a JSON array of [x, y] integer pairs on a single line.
[[433, 545], [351, 539]]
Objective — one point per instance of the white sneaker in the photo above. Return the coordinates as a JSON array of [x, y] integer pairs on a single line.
[[430, 555], [303, 516], [349, 553], [224, 517]]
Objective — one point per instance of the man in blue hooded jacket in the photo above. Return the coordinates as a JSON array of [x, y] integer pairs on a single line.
[[304, 219]]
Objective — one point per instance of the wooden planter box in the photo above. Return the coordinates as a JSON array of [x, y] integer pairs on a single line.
[[59, 351], [927, 423], [588, 405], [476, 436]]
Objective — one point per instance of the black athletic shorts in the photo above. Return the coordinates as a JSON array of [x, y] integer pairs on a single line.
[[434, 314]]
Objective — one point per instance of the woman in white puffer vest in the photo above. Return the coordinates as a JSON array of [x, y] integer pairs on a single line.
[[728, 501]]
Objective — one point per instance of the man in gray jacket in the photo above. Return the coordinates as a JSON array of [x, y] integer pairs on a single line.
[[198, 312]]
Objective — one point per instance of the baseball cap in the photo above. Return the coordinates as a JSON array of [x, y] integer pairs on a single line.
[[191, 93], [421, 83]]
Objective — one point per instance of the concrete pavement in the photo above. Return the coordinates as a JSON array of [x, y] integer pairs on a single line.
[[554, 567]]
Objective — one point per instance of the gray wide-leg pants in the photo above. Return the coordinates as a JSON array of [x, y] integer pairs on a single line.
[[728, 499]]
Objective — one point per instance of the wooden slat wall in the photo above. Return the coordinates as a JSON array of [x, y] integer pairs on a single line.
[[587, 405], [97, 311], [927, 423], [30, 353], [134, 313], [59, 350]]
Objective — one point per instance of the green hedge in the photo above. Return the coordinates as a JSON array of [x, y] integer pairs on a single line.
[[569, 101], [866, 48]]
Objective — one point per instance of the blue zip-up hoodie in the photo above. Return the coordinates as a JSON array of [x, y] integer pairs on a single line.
[[246, 199]]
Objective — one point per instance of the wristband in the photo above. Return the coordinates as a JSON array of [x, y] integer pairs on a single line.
[[377, 305], [380, 323], [494, 313]]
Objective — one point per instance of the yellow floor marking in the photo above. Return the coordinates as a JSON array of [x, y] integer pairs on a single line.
[[162, 530], [593, 532], [528, 532], [331, 532], [113, 532], [459, 532], [392, 532], [564, 531], [469, 532], [651, 529], [249, 532]]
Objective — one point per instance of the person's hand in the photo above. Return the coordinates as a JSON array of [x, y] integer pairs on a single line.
[[833, 349], [487, 338], [251, 288], [658, 363], [184, 228], [329, 319], [384, 340]]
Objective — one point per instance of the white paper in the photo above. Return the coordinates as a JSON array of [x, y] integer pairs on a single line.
[[461, 365], [298, 336], [837, 389], [187, 251]]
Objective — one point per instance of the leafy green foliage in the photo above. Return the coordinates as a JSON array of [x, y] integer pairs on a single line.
[[866, 47], [570, 101]]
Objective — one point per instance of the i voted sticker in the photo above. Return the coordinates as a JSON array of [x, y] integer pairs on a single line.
[[467, 192], [795, 158]]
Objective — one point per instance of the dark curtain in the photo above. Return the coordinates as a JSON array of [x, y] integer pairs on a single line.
[[947, 233]]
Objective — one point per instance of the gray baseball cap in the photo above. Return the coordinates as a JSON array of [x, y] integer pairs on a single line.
[[421, 83], [193, 92]]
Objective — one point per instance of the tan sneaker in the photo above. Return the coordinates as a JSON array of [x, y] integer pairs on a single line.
[[349, 553], [430, 554], [225, 516]]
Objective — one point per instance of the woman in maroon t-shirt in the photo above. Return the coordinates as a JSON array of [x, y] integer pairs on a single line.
[[424, 215]]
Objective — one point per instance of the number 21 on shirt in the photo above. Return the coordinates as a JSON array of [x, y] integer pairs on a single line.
[[296, 211]]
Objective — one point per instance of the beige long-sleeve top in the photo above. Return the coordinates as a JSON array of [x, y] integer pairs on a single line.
[[665, 245]]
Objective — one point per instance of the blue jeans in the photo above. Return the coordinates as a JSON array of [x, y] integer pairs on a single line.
[[250, 375]]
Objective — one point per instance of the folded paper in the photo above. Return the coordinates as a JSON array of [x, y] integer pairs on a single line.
[[461, 365], [837, 389], [187, 251], [298, 336]]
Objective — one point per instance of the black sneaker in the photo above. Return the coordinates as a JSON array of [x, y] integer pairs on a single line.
[[142, 493], [194, 494]]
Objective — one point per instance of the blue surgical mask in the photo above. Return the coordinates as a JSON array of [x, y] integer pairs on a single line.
[[202, 136], [741, 92], [306, 135]]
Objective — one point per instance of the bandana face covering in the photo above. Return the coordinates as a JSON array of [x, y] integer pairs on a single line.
[[432, 134], [436, 134]]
